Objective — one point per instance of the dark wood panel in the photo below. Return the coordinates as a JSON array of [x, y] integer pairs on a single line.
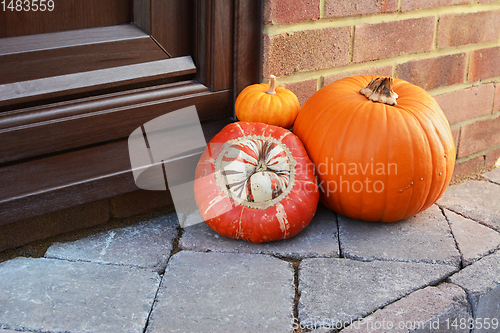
[[57, 40], [248, 47], [142, 14], [110, 120], [55, 62], [33, 135], [173, 25], [28, 117], [25, 91], [67, 15], [50, 184], [203, 41], [57, 182], [223, 37]]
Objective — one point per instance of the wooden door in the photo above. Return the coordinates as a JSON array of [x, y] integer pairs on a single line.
[[72, 91]]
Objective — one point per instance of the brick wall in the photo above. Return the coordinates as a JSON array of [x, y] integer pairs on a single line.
[[451, 48]]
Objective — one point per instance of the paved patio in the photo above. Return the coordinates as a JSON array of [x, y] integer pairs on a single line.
[[438, 271]]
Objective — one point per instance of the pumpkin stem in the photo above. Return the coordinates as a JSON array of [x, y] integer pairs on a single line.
[[272, 85], [380, 90]]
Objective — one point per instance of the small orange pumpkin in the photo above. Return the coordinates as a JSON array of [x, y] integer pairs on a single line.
[[382, 147], [267, 103]]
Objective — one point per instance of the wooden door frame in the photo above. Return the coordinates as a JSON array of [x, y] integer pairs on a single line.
[[68, 153]]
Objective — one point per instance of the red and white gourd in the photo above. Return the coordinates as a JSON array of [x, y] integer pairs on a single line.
[[256, 182]]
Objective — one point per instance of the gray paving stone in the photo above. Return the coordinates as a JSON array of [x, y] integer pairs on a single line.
[[318, 239], [482, 193], [432, 309], [425, 237], [474, 240], [479, 279], [488, 310], [61, 296], [493, 175], [146, 244], [477, 200], [224, 292], [337, 291]]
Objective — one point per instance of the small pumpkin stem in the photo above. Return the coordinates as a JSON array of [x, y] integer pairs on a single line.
[[380, 90], [272, 85]]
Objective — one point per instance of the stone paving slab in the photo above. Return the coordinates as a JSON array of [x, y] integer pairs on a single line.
[[336, 291], [473, 239], [224, 292], [318, 239], [145, 244], [425, 237], [488, 310], [493, 175], [477, 200], [105, 282], [432, 309], [62, 296], [479, 279]]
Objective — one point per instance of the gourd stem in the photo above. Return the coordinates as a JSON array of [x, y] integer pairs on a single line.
[[272, 85], [380, 90]]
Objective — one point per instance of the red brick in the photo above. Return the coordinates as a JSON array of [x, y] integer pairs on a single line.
[[390, 39], [419, 4], [139, 202], [462, 29], [335, 8], [285, 54], [478, 136], [434, 72], [42, 227], [303, 90], [484, 63], [384, 71], [468, 168], [492, 159], [496, 104], [467, 104], [285, 11]]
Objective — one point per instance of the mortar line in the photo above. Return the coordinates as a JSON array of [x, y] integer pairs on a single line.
[[435, 284], [466, 122], [297, 295], [322, 8], [351, 47], [436, 31], [453, 235], [473, 219], [457, 144], [152, 305], [493, 101], [341, 252], [467, 65], [476, 154]]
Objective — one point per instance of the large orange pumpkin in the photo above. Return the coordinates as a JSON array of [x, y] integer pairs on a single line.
[[267, 103], [382, 147], [255, 182]]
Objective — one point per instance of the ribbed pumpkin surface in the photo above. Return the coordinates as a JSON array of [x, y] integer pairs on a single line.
[[377, 162], [255, 182]]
